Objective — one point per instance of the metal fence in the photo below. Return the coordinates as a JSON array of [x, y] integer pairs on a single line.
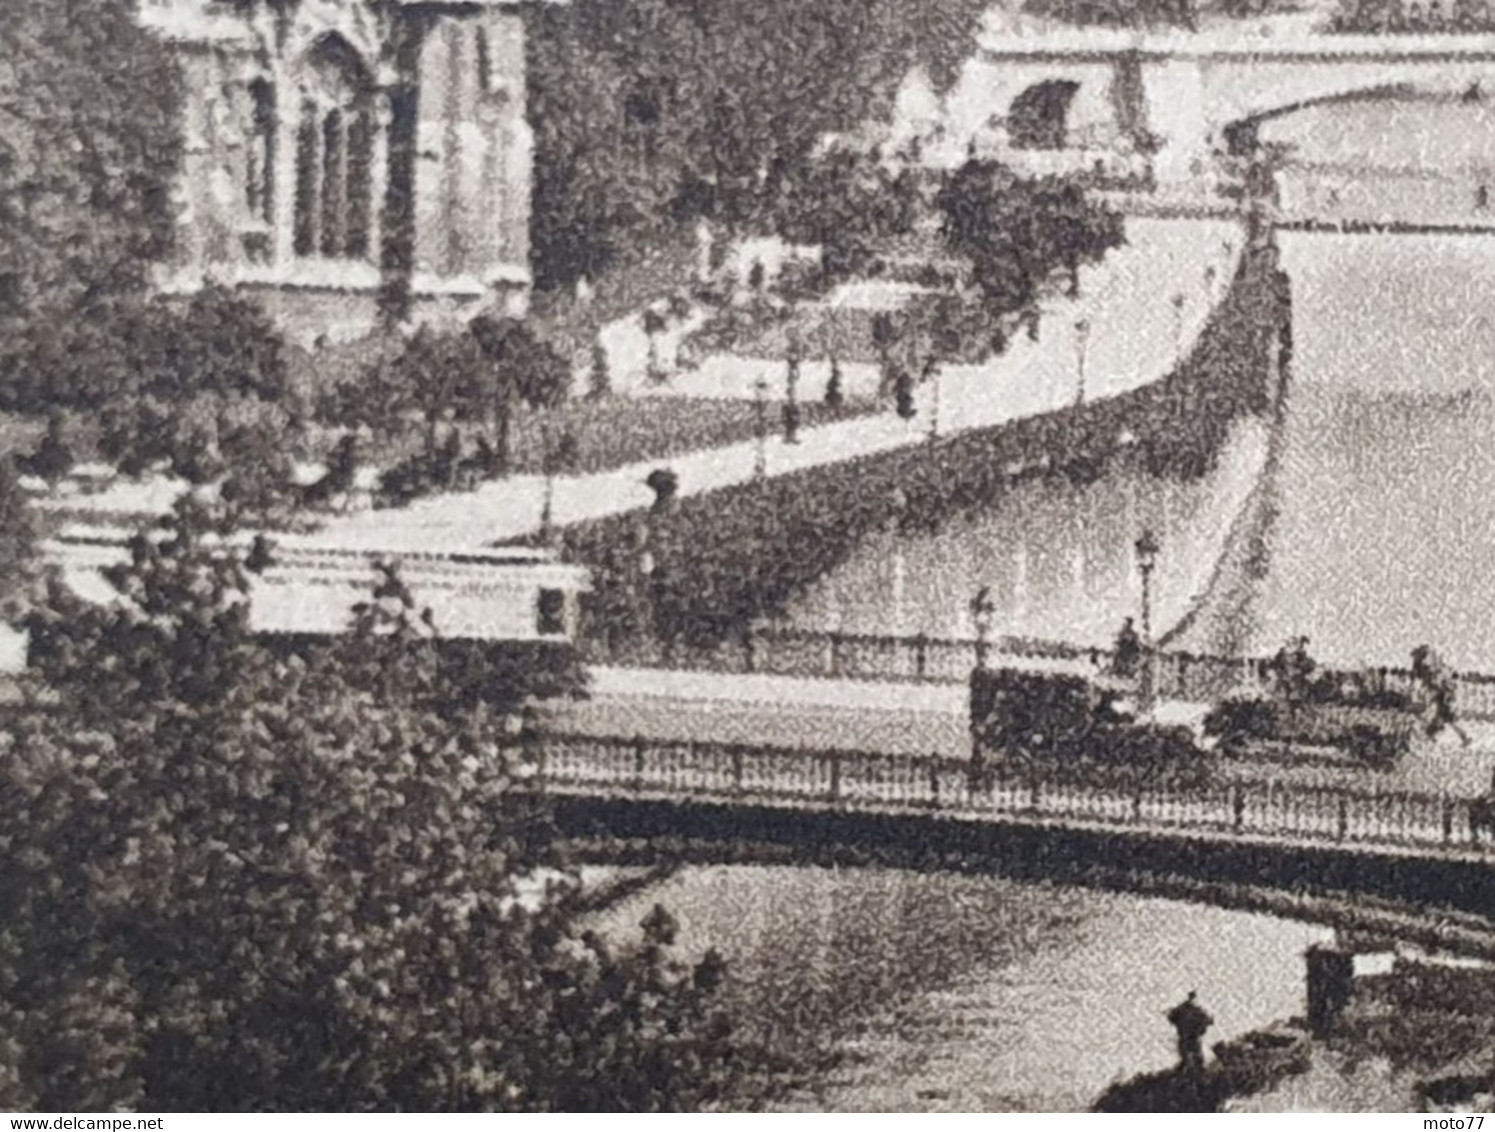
[[860, 656], [618, 766]]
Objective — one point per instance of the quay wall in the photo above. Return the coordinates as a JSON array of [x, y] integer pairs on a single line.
[[727, 558]]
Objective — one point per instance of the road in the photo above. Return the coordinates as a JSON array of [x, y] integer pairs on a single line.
[[909, 718]]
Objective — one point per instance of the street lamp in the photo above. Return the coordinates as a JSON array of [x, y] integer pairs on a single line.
[[760, 405], [1082, 347], [1178, 325], [1147, 559], [933, 370], [791, 405], [1209, 282], [982, 611], [547, 501]]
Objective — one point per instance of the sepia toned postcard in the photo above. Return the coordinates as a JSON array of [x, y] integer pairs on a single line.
[[746, 556]]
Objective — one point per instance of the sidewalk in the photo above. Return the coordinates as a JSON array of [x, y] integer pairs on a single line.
[[1125, 324]]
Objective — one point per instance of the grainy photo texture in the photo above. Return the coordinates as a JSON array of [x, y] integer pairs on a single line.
[[649, 555]]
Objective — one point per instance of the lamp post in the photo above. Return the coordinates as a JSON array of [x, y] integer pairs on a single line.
[[760, 405], [1147, 559], [982, 610], [791, 404], [933, 369], [1082, 347], [1209, 282], [1178, 326], [547, 500]]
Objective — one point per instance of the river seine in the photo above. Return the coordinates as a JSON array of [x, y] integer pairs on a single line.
[[959, 993]]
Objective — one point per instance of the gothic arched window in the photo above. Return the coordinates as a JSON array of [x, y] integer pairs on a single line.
[[259, 162], [334, 154]]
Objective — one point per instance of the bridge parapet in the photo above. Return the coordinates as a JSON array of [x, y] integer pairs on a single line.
[[1405, 823]]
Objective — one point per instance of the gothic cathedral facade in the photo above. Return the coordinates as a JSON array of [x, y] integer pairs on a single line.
[[344, 158]]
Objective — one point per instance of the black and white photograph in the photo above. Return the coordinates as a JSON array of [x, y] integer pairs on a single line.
[[746, 556]]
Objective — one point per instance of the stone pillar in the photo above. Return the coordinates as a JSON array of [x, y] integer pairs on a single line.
[[1175, 110], [193, 190], [379, 173], [283, 196]]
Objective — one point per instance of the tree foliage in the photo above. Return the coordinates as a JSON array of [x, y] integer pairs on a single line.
[[1017, 232], [88, 149], [246, 877], [648, 111]]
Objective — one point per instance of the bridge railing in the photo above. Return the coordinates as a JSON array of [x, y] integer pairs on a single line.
[[1184, 676], [616, 766]]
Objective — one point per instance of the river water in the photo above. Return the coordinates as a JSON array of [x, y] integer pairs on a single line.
[[1385, 528], [955, 993], [945, 992]]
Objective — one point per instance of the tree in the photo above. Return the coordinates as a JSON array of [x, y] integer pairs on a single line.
[[524, 368], [243, 876], [17, 546], [89, 142], [1017, 232], [601, 382], [649, 113]]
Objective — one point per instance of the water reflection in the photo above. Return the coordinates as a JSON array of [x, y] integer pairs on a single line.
[[946, 992], [1057, 556]]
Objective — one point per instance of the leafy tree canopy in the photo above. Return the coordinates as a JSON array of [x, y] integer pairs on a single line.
[[88, 149], [245, 877], [1016, 232]]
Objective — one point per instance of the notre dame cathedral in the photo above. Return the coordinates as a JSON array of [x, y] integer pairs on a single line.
[[346, 156]]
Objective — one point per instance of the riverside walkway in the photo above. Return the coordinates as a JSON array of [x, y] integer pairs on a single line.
[[1138, 312]]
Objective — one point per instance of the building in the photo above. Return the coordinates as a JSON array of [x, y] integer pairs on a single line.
[[340, 153]]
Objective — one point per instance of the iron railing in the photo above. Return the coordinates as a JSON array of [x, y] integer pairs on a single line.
[[708, 771]]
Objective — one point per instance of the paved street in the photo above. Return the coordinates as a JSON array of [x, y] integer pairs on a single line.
[[908, 718]]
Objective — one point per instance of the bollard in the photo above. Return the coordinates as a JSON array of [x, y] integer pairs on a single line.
[[1342, 826], [835, 655], [921, 656], [934, 780], [835, 792]]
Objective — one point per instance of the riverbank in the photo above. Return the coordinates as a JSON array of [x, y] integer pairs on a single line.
[[1418, 1035]]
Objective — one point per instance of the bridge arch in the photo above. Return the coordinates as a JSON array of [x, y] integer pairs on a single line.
[[1257, 88], [1039, 116]]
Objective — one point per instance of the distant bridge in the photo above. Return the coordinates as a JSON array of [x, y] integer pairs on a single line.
[[1417, 849], [1181, 92]]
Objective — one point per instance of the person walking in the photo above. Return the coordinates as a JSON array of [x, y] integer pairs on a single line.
[[1437, 681], [1191, 1021], [1126, 655]]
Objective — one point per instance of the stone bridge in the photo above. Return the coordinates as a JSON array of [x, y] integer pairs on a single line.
[[1177, 95]]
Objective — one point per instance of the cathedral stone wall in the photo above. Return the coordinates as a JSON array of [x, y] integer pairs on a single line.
[[340, 151]]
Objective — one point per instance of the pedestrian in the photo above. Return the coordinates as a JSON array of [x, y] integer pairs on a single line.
[[1191, 1022], [1437, 681], [1293, 669], [1127, 653]]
